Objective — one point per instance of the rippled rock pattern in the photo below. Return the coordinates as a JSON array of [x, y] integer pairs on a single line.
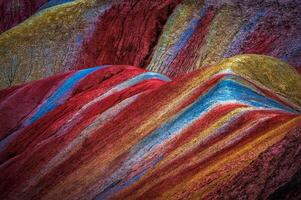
[[150, 99], [171, 37], [226, 131], [198, 35], [81, 34]]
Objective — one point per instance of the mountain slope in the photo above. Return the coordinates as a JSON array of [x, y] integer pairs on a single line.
[[171, 37], [229, 130]]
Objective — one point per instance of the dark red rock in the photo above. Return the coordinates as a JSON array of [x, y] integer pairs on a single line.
[[131, 30], [12, 12]]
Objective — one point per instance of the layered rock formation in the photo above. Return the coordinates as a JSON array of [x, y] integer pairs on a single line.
[[199, 35], [139, 99], [228, 131], [82, 34], [171, 37]]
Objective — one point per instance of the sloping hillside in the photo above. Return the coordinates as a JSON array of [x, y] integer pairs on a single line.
[[229, 131]]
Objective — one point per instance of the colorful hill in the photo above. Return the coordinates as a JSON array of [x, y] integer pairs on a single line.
[[81, 34], [229, 131], [199, 35], [143, 99], [171, 37]]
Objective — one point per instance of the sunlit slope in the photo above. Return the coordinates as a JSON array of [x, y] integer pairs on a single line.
[[121, 132]]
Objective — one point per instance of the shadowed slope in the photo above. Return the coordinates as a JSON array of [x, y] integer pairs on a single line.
[[12, 12], [121, 132]]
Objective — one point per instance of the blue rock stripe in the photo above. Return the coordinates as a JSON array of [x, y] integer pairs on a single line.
[[52, 3], [185, 36], [227, 90], [61, 94], [244, 32]]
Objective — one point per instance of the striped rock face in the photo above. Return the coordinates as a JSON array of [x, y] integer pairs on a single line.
[[150, 99], [66, 35], [228, 131], [198, 35], [171, 37]]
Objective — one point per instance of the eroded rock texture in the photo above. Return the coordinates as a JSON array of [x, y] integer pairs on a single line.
[[229, 131], [82, 34], [12, 12], [198, 35], [140, 99], [278, 166], [172, 37]]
